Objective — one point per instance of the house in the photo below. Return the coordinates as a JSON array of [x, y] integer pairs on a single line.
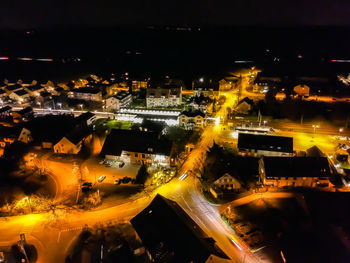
[[121, 100], [34, 90], [136, 147], [244, 106], [19, 95], [3, 95], [8, 135], [25, 136], [138, 84], [85, 119], [47, 130], [226, 85], [302, 90], [5, 112], [314, 151], [73, 141], [200, 103], [295, 171], [22, 115], [202, 91], [165, 94], [12, 88], [88, 94], [192, 120], [172, 236], [226, 183], [267, 145]]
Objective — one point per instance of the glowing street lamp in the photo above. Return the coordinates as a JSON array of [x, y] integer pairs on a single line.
[[201, 79], [315, 126], [341, 130]]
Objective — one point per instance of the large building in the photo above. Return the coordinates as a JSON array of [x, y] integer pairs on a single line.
[[121, 100], [136, 147], [171, 236], [192, 120], [295, 171], [165, 94], [264, 145], [88, 94]]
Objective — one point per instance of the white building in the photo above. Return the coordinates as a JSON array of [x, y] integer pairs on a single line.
[[163, 97], [88, 94], [121, 100]]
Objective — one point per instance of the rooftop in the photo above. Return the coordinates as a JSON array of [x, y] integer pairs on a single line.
[[170, 234], [296, 167], [135, 141], [265, 142], [193, 113], [86, 90]]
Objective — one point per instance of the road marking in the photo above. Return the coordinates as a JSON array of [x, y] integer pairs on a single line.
[[66, 230]]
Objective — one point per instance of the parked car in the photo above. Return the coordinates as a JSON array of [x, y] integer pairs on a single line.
[[118, 181], [101, 178], [85, 187], [121, 165]]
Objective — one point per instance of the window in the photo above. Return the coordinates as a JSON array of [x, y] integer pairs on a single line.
[[143, 155], [136, 155]]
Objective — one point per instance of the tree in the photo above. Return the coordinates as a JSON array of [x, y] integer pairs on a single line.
[[142, 175]]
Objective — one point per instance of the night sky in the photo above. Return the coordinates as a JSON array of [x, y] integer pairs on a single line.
[[22, 14]]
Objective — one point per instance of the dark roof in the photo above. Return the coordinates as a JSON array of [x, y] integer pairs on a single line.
[[265, 142], [13, 87], [34, 87], [135, 141], [247, 100], [86, 90], [2, 91], [192, 113], [122, 94], [4, 109], [84, 117], [314, 151], [78, 134], [21, 92], [6, 132], [45, 94], [296, 167], [50, 128], [25, 111], [170, 234]]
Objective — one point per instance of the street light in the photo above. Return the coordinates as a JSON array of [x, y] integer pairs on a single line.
[[341, 130], [315, 126]]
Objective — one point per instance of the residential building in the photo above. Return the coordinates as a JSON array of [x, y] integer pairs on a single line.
[[25, 136], [172, 236], [5, 112], [138, 84], [225, 185], [136, 147], [163, 97], [302, 90], [121, 100], [244, 106], [88, 94], [226, 85], [22, 115], [314, 151], [8, 135], [3, 95], [204, 91], [73, 141], [85, 119], [295, 171], [200, 103], [34, 90], [264, 145], [12, 88], [19, 95], [192, 120]]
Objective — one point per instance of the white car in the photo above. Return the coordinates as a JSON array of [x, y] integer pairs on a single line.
[[101, 178]]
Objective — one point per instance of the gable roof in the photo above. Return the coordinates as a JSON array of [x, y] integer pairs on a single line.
[[13, 87], [21, 92], [84, 117], [4, 109], [296, 167], [25, 110], [86, 90], [265, 142], [135, 141], [314, 151], [78, 134], [170, 234], [193, 113], [247, 100]]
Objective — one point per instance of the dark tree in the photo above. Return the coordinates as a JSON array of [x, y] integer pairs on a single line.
[[142, 175]]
